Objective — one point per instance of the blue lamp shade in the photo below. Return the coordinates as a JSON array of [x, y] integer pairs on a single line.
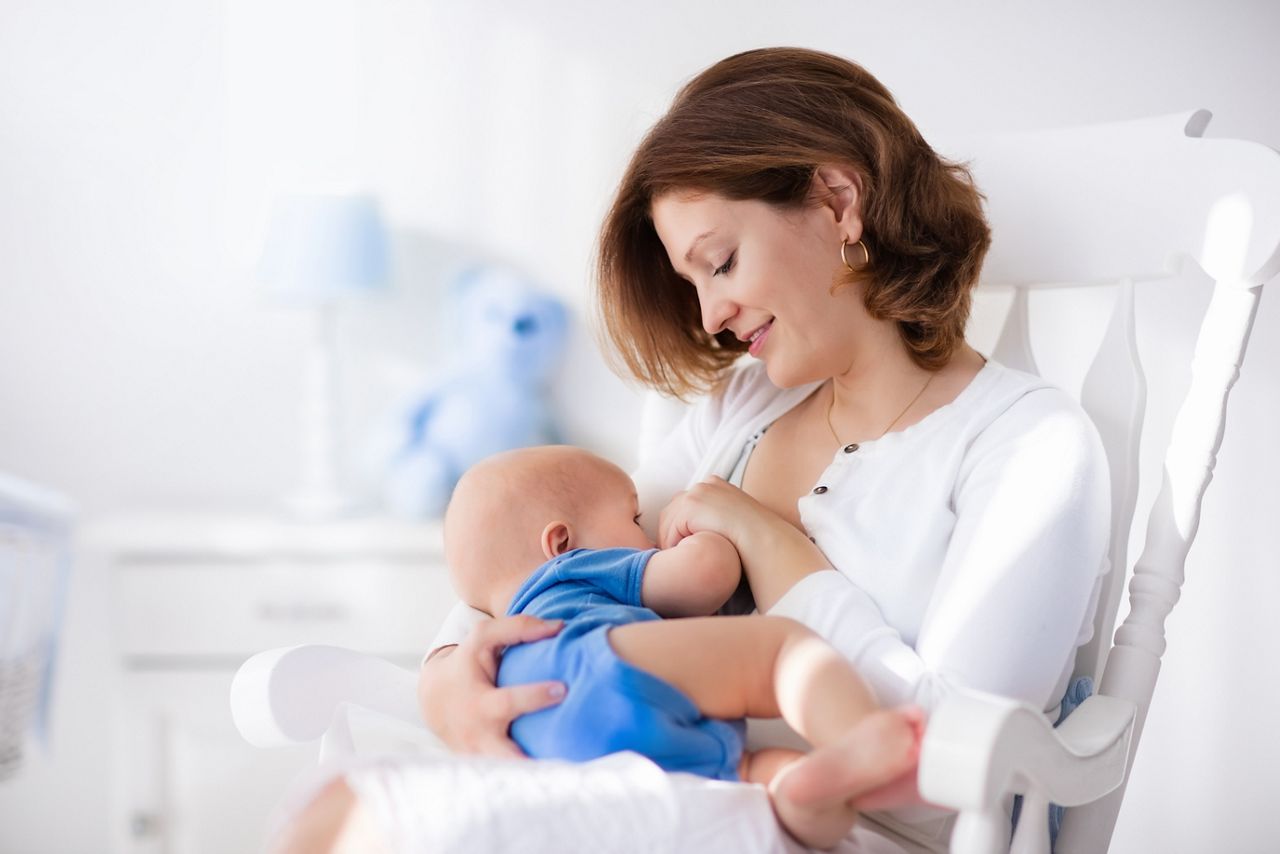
[[322, 247]]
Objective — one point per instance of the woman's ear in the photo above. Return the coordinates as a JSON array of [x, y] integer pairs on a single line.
[[840, 189], [556, 539]]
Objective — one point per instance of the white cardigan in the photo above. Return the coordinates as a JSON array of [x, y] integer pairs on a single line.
[[969, 548]]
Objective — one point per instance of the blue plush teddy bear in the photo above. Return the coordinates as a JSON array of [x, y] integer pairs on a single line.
[[511, 336]]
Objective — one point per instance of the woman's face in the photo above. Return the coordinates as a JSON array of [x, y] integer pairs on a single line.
[[765, 274]]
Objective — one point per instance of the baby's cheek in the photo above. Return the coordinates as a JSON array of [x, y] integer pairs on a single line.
[[641, 540]]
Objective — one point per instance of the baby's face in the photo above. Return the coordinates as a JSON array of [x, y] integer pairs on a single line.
[[613, 520]]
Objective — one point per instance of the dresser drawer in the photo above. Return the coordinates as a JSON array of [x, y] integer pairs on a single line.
[[220, 609]]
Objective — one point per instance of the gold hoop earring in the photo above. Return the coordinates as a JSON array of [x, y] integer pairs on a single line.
[[866, 253]]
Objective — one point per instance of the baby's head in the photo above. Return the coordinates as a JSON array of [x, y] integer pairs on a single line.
[[513, 511]]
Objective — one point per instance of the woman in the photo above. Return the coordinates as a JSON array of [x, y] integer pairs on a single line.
[[939, 518]]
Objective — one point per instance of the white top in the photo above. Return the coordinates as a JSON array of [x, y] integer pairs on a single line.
[[969, 548]]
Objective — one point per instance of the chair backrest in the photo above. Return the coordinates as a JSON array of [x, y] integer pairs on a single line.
[[1122, 203]]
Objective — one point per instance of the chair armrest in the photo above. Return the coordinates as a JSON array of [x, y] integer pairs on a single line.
[[979, 748], [294, 694]]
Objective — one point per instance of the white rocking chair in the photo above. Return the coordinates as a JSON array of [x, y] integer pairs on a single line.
[[1114, 204]]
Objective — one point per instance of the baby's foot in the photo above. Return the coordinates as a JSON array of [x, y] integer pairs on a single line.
[[816, 827], [812, 796]]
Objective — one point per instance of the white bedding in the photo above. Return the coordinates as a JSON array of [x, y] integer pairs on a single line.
[[619, 803]]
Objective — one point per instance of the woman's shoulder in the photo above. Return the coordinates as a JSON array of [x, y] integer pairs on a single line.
[[1018, 410], [1015, 396]]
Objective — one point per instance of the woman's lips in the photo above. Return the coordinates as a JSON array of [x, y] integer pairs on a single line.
[[758, 344]]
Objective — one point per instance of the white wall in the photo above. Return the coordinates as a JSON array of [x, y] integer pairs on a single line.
[[140, 142]]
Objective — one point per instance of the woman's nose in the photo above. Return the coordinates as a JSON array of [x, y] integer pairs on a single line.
[[716, 312]]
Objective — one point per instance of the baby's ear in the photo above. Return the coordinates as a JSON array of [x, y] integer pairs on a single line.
[[556, 540]]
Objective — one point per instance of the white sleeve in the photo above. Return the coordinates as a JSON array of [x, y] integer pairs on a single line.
[[1020, 573], [458, 623]]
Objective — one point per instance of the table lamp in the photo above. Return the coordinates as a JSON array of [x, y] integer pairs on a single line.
[[321, 249]]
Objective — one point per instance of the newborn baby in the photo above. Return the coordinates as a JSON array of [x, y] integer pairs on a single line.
[[554, 531]]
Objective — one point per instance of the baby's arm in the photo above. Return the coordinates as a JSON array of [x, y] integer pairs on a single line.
[[692, 578]]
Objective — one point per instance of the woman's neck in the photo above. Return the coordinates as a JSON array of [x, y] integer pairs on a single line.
[[884, 384]]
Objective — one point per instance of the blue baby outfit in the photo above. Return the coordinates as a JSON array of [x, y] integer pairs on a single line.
[[610, 705]]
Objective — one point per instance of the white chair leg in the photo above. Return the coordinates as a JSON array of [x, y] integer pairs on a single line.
[[981, 833], [337, 741], [1032, 835]]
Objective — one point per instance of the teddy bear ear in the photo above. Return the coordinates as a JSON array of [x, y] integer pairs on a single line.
[[556, 311]]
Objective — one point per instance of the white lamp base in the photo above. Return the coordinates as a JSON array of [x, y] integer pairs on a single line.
[[320, 505], [320, 494]]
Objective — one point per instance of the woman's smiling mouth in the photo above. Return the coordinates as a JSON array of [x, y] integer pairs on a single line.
[[758, 337]]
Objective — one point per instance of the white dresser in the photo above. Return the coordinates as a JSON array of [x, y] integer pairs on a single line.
[[191, 598]]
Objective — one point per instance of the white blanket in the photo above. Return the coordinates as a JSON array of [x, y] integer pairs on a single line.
[[619, 803]]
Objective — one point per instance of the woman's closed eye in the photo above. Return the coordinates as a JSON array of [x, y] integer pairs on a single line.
[[727, 266]]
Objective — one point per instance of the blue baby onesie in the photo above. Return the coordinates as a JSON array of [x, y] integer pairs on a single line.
[[610, 705]]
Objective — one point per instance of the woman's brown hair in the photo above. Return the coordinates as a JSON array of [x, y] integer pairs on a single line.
[[756, 126]]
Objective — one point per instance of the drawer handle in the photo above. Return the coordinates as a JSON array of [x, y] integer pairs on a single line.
[[145, 824], [301, 612]]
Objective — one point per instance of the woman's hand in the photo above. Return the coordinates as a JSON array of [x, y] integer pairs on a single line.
[[456, 690], [712, 505]]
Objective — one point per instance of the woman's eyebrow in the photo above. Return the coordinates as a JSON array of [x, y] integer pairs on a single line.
[[688, 256]]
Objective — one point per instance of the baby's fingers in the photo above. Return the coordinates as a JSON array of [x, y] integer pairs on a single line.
[[671, 532]]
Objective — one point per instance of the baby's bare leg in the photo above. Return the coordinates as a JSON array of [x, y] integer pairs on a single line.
[[334, 822], [761, 766], [765, 667], [757, 666]]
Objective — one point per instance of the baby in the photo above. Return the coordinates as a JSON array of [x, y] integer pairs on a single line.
[[554, 531]]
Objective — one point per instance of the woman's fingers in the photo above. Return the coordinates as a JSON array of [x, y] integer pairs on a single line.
[[500, 706], [503, 705], [508, 631], [502, 748]]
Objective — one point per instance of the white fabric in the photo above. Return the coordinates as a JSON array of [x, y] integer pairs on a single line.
[[618, 803]]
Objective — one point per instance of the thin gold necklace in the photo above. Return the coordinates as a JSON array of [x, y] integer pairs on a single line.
[[832, 404]]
